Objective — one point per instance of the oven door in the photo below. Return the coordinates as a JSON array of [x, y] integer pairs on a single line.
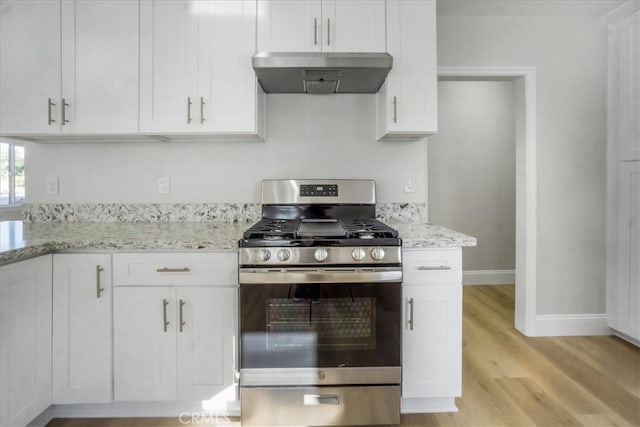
[[298, 328]]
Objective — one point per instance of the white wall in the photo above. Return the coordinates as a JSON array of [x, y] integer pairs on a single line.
[[308, 137], [472, 181], [569, 54]]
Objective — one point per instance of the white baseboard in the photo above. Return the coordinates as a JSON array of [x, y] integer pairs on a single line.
[[489, 277], [558, 325]]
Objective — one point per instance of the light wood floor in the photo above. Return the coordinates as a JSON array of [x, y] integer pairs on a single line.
[[511, 380]]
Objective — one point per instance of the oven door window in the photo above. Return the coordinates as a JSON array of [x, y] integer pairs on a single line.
[[314, 325]]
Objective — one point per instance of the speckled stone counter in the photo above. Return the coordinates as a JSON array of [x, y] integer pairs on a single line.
[[425, 235], [20, 240]]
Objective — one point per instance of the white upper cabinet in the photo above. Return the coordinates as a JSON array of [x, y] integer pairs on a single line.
[[29, 66], [99, 66], [195, 67], [327, 25], [354, 26], [168, 65], [407, 104], [69, 67]]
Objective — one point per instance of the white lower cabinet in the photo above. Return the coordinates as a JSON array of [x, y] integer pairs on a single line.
[[174, 328], [432, 333], [25, 340], [82, 296]]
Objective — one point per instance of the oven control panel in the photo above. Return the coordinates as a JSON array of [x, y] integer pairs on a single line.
[[319, 190], [343, 255]]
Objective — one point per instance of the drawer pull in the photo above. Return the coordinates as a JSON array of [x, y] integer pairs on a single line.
[[432, 268], [99, 288], [165, 322], [321, 399], [182, 322], [173, 270]]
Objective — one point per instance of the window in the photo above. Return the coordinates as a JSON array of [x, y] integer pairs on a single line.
[[11, 174]]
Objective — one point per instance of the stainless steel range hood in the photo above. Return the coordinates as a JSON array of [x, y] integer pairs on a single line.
[[321, 73]]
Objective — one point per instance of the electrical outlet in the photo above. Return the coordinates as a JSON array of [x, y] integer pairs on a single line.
[[164, 185], [410, 184], [52, 186]]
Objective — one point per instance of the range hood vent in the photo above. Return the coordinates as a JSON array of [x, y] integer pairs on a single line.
[[321, 73]]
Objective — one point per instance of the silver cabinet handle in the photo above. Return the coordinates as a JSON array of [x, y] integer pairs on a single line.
[[435, 267], [173, 270], [328, 32], [49, 117], [182, 322], [99, 289], [410, 316], [202, 109], [64, 112], [189, 109], [395, 110], [165, 322], [315, 31]]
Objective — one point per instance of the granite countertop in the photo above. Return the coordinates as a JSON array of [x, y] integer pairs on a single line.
[[20, 240]]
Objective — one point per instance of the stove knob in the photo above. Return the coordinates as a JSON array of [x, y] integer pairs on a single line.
[[263, 255], [377, 253], [358, 254], [321, 254], [284, 254]]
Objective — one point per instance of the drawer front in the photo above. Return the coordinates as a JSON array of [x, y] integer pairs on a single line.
[[441, 266], [175, 269]]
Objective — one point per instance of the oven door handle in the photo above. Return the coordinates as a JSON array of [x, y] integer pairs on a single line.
[[319, 275]]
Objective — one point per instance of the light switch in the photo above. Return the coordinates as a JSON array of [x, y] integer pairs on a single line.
[[52, 186], [164, 185]]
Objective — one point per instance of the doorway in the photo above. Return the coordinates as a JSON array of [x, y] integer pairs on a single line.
[[523, 79]]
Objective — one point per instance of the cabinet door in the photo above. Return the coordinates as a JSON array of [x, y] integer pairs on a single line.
[[626, 76], [168, 65], [432, 341], [25, 340], [100, 66], [29, 67], [625, 316], [82, 328], [227, 83], [407, 103], [144, 345], [354, 26], [289, 26], [206, 343]]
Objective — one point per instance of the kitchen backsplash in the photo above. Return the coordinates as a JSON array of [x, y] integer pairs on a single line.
[[186, 212]]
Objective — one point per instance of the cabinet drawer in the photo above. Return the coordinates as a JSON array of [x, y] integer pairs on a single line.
[[178, 268], [432, 266]]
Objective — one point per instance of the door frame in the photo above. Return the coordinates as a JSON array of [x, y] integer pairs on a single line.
[[524, 79]]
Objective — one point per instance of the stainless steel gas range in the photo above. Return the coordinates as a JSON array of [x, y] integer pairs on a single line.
[[320, 308]]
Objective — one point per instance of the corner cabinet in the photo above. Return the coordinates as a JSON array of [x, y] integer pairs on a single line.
[[195, 69], [407, 103], [432, 334], [321, 26], [52, 82], [82, 295], [175, 327], [623, 172], [25, 340]]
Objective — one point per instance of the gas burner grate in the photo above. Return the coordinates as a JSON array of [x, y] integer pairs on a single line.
[[367, 228], [272, 229]]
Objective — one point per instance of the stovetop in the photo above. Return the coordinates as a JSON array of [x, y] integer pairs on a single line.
[[320, 232]]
